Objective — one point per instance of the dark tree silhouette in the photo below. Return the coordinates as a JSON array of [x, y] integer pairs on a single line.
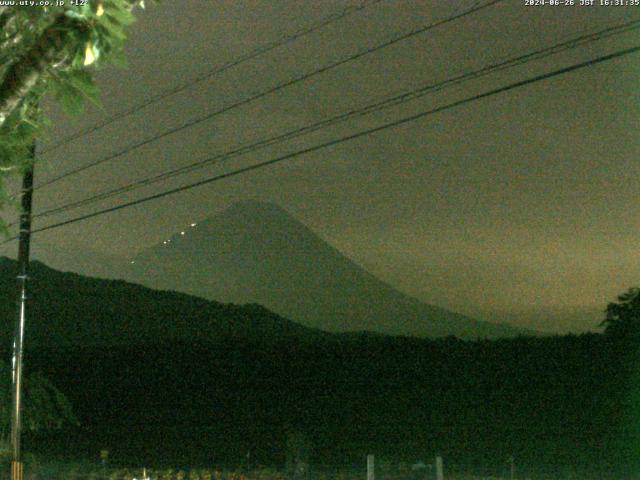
[[623, 317], [45, 407]]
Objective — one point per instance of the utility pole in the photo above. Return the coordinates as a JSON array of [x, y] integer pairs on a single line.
[[23, 269]]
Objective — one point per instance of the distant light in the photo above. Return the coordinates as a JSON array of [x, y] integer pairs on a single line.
[[133, 261], [181, 233], [193, 224], [168, 240], [165, 242]]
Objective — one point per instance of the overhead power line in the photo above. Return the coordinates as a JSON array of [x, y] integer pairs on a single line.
[[264, 93], [371, 108], [261, 50], [343, 139]]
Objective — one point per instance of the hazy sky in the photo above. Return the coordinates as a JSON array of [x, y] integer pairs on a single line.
[[522, 203]]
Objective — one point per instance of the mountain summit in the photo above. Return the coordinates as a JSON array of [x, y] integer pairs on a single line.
[[255, 252]]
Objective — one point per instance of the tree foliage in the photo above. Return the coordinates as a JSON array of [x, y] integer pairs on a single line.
[[48, 50], [45, 407], [623, 317]]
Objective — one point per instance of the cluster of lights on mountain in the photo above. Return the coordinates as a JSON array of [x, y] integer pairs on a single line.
[[166, 242]]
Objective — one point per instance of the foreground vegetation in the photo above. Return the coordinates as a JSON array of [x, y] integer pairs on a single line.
[[91, 472], [560, 406]]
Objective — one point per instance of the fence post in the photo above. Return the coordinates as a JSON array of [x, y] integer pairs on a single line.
[[371, 475], [439, 469]]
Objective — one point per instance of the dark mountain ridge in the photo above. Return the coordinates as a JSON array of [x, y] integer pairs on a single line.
[[69, 310], [77, 259]]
